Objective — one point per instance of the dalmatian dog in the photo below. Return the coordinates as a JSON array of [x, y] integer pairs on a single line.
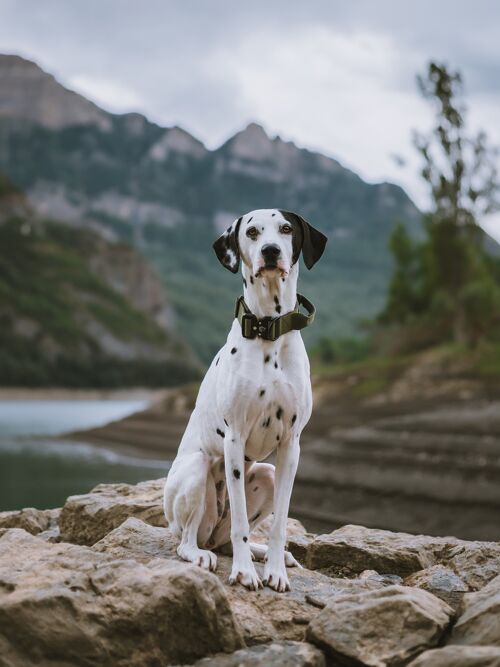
[[255, 400]]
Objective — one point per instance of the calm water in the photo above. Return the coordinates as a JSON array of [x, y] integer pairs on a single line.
[[38, 470]]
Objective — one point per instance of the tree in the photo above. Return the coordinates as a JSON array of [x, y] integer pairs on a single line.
[[450, 266], [462, 176]]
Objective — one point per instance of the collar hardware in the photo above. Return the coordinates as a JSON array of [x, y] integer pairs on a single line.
[[271, 328]]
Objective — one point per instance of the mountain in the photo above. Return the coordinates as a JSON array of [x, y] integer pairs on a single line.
[[78, 310], [161, 189]]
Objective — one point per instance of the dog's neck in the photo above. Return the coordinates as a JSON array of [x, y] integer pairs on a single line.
[[269, 294]]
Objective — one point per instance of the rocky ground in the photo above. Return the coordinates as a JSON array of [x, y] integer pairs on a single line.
[[98, 582]]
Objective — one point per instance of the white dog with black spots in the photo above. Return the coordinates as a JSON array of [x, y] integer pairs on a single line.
[[255, 399]]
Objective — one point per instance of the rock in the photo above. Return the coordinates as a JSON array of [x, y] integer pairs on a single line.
[[71, 605], [88, 518], [442, 582], [279, 654], [30, 519], [263, 615], [477, 562], [479, 623], [353, 549], [294, 530], [459, 656], [380, 628]]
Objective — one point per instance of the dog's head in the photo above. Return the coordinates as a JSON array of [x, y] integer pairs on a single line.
[[269, 240]]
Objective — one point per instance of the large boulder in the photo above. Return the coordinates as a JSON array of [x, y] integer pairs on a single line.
[[71, 605], [352, 549], [476, 562], [380, 628], [459, 656], [479, 623], [277, 654], [87, 518]]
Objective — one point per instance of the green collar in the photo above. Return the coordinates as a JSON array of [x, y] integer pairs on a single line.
[[271, 328]]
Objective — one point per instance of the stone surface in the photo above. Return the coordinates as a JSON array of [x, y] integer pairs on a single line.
[[479, 623], [88, 518], [477, 562], [380, 628], [459, 656], [355, 548], [263, 615], [277, 654], [442, 582], [32, 520], [65, 605]]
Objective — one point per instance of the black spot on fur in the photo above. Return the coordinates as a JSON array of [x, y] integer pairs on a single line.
[[221, 433], [252, 477], [272, 215], [275, 365], [251, 279], [267, 358], [250, 220], [294, 418], [277, 437], [234, 350], [276, 300], [266, 422], [225, 422], [217, 361], [245, 539], [278, 309], [255, 517], [236, 473], [262, 392], [245, 281], [247, 459], [279, 412]]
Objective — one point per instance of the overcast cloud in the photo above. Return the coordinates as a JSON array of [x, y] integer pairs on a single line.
[[334, 76]]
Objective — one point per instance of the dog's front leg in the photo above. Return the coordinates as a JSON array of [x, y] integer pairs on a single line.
[[243, 570], [287, 459]]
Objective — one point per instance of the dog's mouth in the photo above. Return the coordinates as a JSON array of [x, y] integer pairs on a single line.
[[270, 268]]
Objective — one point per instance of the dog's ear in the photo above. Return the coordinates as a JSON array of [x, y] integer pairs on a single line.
[[306, 238], [227, 248]]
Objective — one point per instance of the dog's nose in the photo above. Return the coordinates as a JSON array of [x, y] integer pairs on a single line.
[[270, 252]]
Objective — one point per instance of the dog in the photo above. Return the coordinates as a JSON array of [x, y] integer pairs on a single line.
[[255, 399]]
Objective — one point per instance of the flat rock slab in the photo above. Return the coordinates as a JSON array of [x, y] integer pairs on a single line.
[[459, 656], [69, 605], [479, 623], [277, 654], [87, 518], [380, 628], [263, 615], [352, 549]]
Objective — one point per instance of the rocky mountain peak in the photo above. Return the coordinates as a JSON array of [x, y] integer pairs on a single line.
[[27, 92]]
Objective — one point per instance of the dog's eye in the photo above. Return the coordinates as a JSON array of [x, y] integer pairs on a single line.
[[286, 229], [252, 232]]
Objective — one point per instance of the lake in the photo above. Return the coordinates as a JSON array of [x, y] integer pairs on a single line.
[[38, 469]]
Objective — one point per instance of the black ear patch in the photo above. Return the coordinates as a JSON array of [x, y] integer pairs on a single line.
[[227, 249], [306, 238]]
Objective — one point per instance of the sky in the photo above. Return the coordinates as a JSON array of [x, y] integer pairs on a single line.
[[336, 76]]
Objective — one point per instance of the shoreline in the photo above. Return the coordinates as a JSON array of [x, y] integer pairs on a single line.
[[61, 393]]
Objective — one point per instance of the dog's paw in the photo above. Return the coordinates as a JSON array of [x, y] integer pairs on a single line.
[[246, 576], [276, 578], [201, 557], [290, 561]]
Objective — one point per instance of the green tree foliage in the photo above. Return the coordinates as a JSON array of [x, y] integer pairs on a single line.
[[447, 282]]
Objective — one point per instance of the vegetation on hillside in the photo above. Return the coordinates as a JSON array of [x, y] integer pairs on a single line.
[[55, 314], [447, 287]]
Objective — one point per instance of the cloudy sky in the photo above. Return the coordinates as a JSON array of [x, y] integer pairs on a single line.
[[336, 76]]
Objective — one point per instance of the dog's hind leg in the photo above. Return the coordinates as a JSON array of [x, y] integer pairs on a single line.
[[190, 503]]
